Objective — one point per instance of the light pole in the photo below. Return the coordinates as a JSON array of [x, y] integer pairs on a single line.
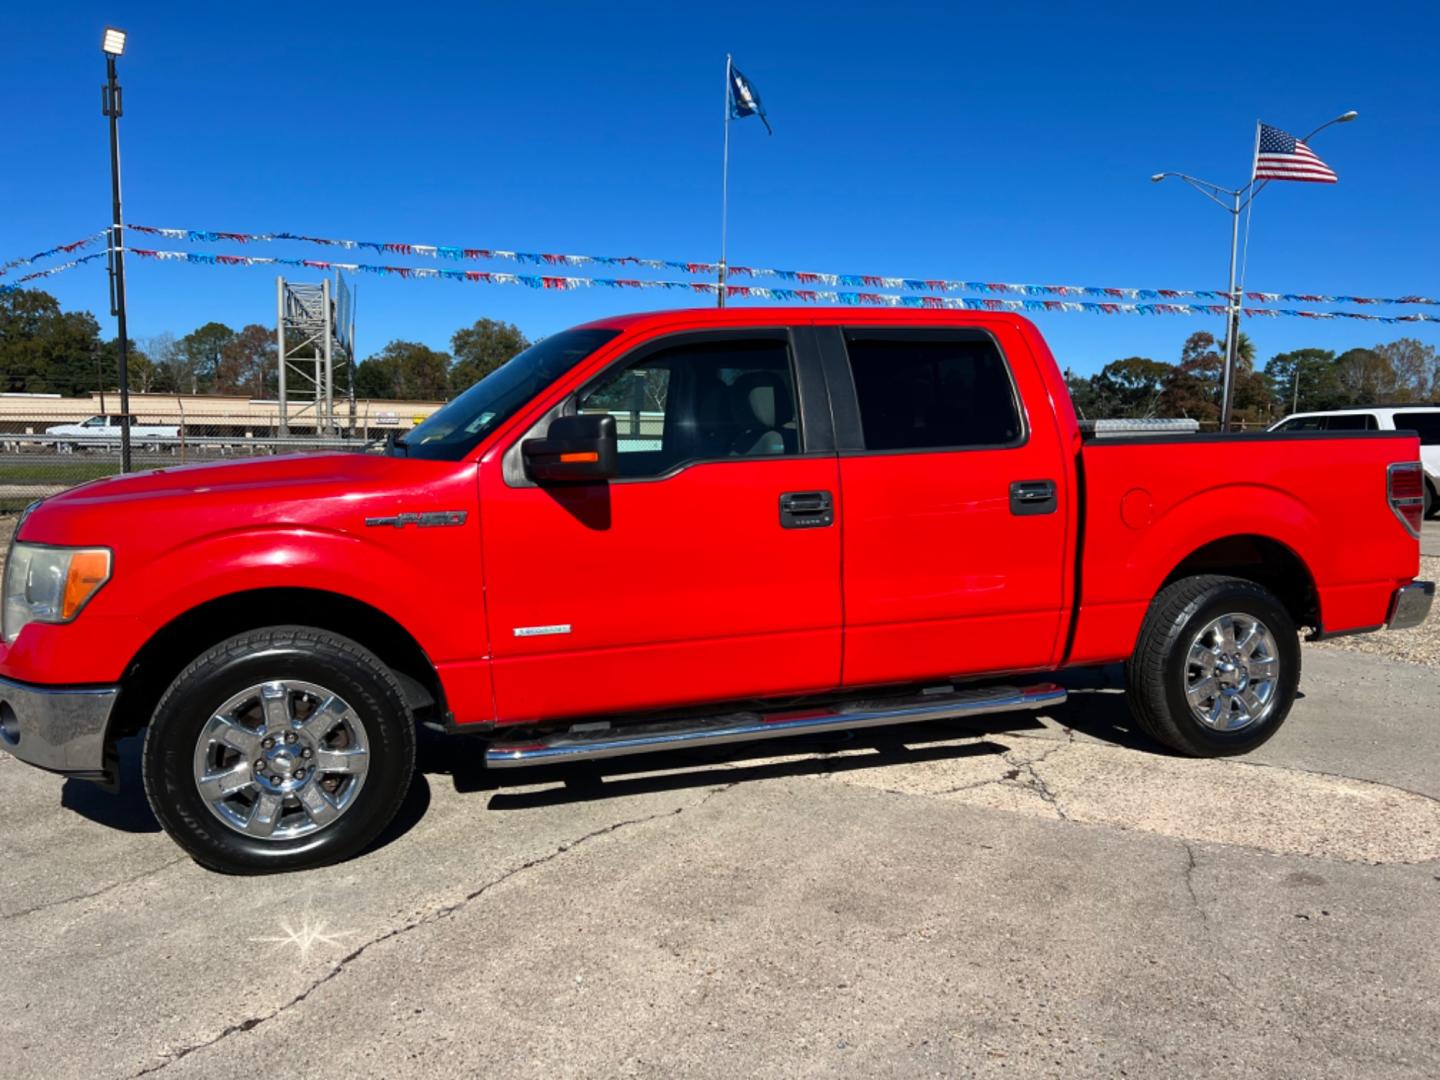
[[112, 46], [1233, 201]]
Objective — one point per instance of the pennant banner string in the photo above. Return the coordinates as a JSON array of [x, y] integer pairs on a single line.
[[49, 271], [933, 285], [59, 249], [803, 277], [764, 292]]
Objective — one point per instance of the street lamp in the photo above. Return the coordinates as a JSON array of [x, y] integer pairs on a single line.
[[112, 46], [1233, 201]]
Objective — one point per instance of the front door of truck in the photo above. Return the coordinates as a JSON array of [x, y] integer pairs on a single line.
[[957, 505], [708, 570]]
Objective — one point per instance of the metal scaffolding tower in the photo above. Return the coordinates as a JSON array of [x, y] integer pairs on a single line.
[[315, 330]]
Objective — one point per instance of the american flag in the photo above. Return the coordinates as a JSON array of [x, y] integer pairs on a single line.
[[1284, 157]]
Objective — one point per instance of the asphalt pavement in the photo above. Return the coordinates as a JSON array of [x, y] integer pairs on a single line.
[[1040, 897]]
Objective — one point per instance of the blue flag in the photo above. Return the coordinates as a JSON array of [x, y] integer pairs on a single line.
[[744, 101]]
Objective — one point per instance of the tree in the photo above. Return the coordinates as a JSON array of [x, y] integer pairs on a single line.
[[1319, 387], [44, 349], [374, 378], [1367, 377], [1083, 396], [1130, 388], [248, 363], [164, 353], [1195, 385], [202, 351], [1416, 366], [404, 370], [1193, 388], [1254, 403], [137, 363], [482, 348]]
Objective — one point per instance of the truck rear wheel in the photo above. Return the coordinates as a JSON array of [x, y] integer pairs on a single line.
[[1216, 667], [279, 749]]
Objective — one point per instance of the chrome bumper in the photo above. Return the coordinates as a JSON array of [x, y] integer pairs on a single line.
[[60, 728], [1410, 605]]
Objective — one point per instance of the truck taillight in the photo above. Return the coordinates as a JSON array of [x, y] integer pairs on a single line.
[[1407, 494]]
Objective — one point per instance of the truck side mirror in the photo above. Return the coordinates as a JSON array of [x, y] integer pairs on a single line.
[[575, 450]]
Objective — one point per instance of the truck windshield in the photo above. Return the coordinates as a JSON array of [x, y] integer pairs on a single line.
[[453, 431]]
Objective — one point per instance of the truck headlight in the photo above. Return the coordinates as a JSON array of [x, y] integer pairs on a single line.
[[49, 584]]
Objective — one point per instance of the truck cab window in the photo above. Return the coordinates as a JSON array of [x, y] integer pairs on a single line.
[[928, 390], [705, 401]]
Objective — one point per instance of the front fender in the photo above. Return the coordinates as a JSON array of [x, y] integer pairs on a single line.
[[427, 580], [402, 574]]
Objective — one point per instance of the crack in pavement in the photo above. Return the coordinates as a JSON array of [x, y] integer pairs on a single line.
[[1190, 867], [97, 892], [1035, 782], [711, 794], [250, 1023], [974, 784], [1332, 776]]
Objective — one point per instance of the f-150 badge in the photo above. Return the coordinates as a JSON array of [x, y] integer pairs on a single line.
[[430, 519]]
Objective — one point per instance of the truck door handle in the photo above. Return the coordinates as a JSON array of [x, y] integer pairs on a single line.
[[1032, 497], [807, 509]]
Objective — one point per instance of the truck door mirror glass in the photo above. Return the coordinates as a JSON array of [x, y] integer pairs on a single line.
[[575, 449]]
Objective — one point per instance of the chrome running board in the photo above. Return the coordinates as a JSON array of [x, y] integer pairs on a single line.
[[588, 742]]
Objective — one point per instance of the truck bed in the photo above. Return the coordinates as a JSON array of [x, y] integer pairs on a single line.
[[1152, 503]]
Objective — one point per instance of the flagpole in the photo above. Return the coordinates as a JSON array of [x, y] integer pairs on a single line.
[[725, 186], [1232, 315]]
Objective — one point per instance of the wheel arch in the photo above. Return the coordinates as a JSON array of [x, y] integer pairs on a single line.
[[190, 633], [1267, 562]]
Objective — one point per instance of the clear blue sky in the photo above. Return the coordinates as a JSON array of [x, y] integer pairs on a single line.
[[1007, 142]]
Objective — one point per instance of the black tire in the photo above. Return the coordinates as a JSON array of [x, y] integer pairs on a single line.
[[259, 656], [1432, 501], [1155, 676]]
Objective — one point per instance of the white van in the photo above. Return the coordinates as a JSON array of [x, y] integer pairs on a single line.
[[1422, 419]]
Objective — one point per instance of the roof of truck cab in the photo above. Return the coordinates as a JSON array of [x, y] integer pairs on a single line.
[[704, 318]]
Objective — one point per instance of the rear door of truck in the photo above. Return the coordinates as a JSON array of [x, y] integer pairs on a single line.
[[957, 499]]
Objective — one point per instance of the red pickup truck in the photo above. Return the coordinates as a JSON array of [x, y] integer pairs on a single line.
[[682, 528]]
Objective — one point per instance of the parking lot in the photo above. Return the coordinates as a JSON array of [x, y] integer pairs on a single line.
[[1038, 897]]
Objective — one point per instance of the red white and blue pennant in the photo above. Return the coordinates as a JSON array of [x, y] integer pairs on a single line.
[[761, 292]]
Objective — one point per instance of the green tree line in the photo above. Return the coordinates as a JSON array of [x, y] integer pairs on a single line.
[[44, 349], [1302, 380]]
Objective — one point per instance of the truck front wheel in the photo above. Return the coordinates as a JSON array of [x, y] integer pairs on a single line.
[[279, 749], [1216, 667]]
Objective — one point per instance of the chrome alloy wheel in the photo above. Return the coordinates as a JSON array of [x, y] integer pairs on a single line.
[[1232, 673], [281, 760]]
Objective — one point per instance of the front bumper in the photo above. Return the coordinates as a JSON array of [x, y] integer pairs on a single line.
[[1411, 605], [60, 728]]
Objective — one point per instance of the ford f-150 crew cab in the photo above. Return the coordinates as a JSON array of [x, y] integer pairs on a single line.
[[683, 528]]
